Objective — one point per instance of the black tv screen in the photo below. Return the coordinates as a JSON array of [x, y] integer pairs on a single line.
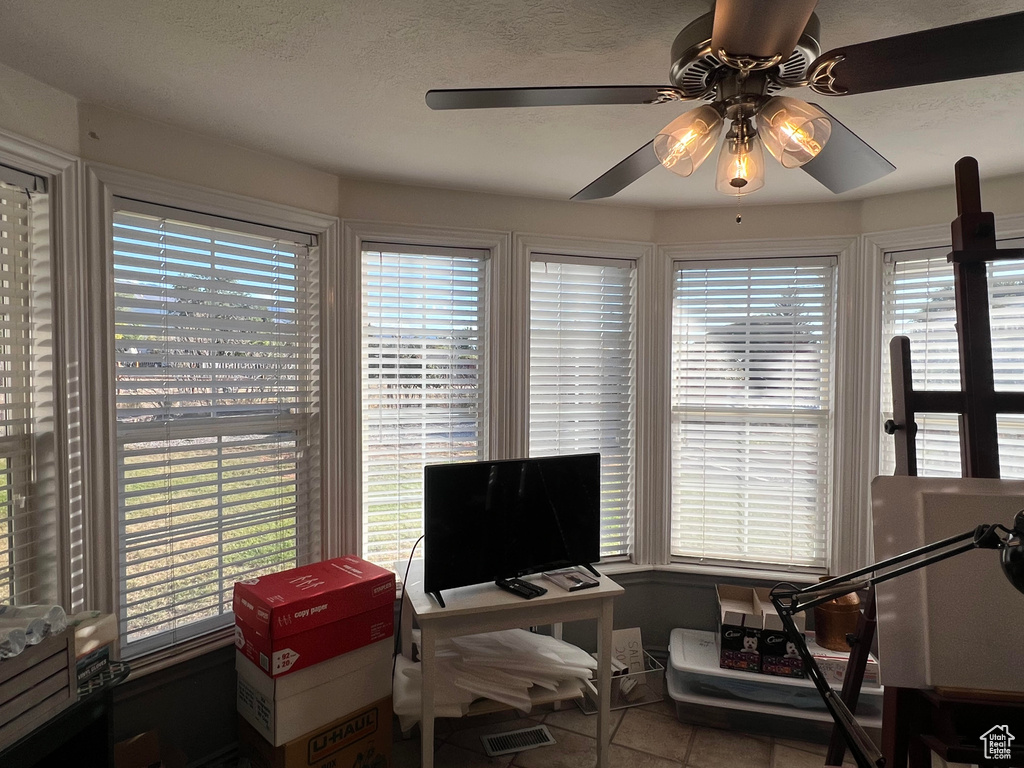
[[491, 520]]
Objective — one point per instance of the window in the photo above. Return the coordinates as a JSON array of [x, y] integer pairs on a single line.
[[918, 302], [29, 541], [751, 398], [216, 327], [582, 374], [424, 381]]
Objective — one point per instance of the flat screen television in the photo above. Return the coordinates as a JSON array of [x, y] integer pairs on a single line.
[[493, 520]]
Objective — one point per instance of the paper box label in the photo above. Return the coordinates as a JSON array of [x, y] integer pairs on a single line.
[[299, 599], [281, 656], [360, 739], [343, 735], [779, 655], [741, 626]]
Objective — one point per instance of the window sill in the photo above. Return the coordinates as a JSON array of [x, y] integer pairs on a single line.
[[165, 658], [711, 573]]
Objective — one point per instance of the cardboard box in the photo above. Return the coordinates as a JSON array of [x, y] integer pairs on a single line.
[[294, 619], [740, 625], [628, 648], [282, 656], [779, 656], [147, 750], [300, 599], [93, 663], [282, 709], [833, 664], [361, 739]]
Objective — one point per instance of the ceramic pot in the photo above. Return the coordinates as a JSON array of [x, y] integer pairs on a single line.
[[834, 620]]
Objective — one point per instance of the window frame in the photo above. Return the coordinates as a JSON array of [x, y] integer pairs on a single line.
[[533, 247], [63, 175], [876, 247], [849, 543], [355, 234], [103, 184]]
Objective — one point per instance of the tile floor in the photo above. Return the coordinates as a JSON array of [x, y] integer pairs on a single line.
[[642, 737]]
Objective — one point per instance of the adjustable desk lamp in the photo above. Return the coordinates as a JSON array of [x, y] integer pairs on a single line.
[[788, 600]]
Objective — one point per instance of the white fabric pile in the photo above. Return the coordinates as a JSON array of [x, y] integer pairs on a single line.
[[503, 666]]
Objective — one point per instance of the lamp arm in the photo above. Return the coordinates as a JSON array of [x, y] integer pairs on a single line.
[[863, 749], [983, 536], [788, 600]]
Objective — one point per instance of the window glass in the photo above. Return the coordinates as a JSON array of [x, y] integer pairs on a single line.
[[918, 302], [29, 538], [582, 376], [752, 359], [424, 382], [216, 402]]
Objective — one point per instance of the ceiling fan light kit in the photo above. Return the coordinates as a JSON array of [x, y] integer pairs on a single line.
[[741, 161], [687, 141], [739, 57], [792, 130]]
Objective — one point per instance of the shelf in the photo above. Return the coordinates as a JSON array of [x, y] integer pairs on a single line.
[[567, 691]]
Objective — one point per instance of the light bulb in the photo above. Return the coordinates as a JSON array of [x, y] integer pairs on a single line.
[[740, 164], [793, 130], [686, 142]]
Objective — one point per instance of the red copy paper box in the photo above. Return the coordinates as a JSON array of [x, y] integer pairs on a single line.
[[293, 619]]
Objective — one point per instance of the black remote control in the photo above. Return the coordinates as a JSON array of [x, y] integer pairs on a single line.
[[523, 589]]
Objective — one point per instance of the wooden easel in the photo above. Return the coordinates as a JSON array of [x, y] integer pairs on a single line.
[[978, 404]]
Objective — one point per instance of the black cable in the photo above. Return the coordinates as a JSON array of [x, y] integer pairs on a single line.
[[398, 628]]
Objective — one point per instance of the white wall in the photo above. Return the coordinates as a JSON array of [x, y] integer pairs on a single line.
[[39, 112], [1001, 196], [117, 138], [759, 222], [441, 207], [36, 111]]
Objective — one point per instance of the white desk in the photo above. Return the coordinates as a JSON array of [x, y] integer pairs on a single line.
[[486, 608]]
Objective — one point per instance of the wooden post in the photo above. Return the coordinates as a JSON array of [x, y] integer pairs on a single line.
[[974, 244]]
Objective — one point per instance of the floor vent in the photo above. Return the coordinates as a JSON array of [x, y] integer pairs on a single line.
[[516, 741]]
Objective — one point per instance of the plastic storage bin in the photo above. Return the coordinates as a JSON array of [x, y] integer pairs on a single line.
[[706, 694], [633, 689]]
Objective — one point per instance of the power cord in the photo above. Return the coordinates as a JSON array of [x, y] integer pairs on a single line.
[[398, 628]]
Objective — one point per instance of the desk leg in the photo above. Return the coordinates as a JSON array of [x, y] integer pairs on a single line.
[[427, 698], [406, 619], [604, 668]]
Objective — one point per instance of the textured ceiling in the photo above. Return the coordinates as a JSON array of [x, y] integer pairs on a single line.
[[339, 85]]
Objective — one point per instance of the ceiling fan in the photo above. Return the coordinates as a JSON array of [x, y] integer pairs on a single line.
[[738, 58]]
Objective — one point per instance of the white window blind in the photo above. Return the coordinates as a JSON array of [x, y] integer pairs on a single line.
[[752, 382], [582, 376], [918, 302], [424, 381], [217, 401], [29, 540]]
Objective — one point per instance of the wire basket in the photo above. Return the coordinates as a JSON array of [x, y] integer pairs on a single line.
[[631, 690]]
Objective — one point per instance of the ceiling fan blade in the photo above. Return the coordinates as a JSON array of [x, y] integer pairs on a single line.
[[759, 28], [622, 175], [846, 161], [972, 49], [559, 96]]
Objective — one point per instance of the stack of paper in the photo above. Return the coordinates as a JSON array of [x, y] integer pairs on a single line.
[[503, 666]]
